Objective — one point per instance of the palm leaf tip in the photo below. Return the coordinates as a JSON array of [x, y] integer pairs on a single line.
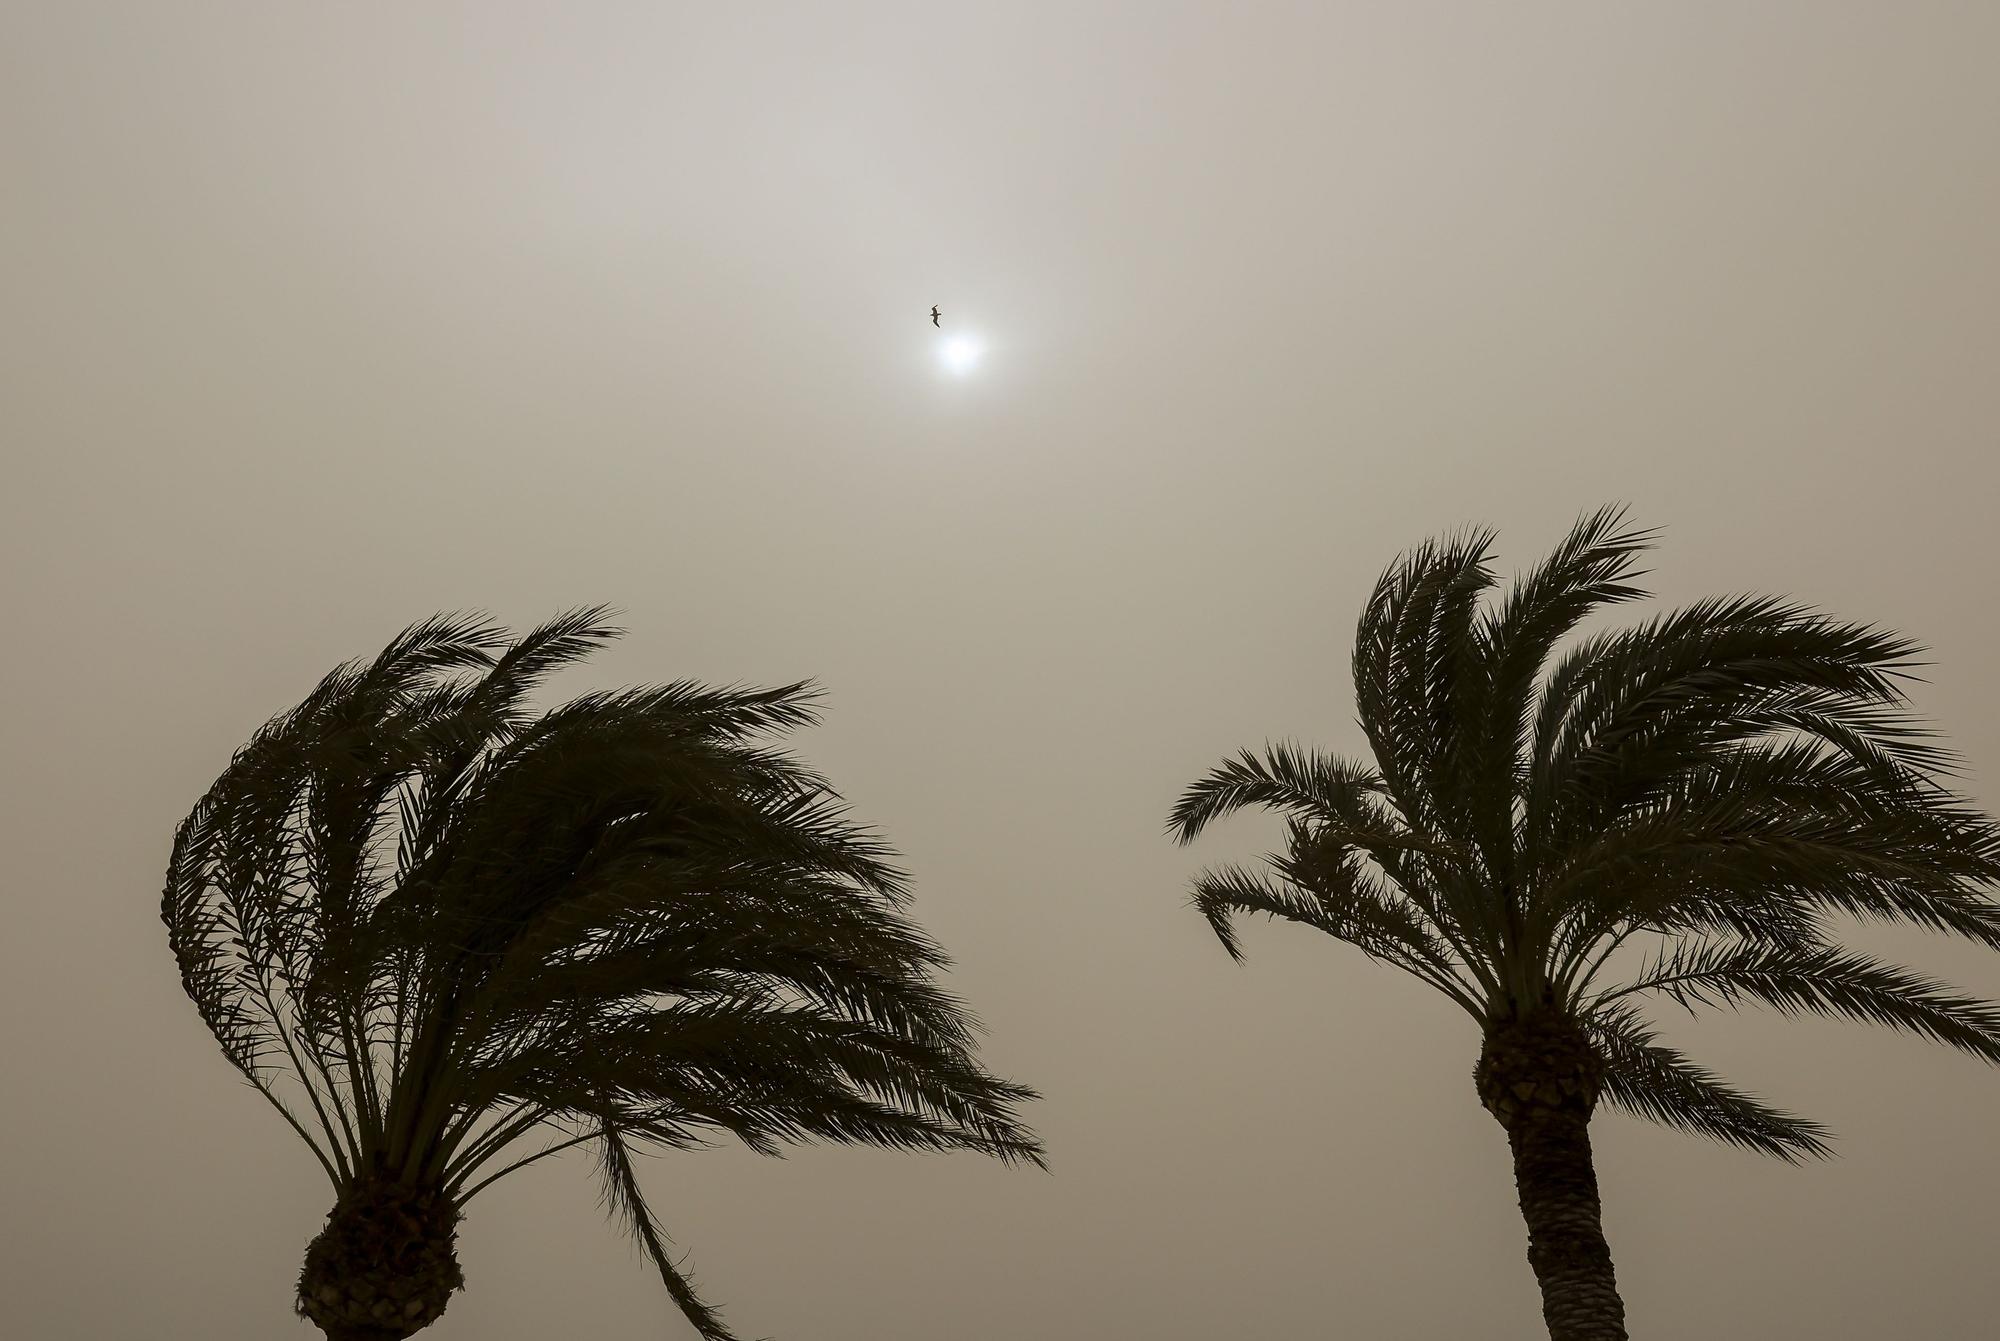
[[1219, 896]]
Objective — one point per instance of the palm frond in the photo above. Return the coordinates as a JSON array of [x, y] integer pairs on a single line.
[[1762, 829], [1415, 639], [1343, 900], [1625, 710], [1661, 1085], [1823, 981], [1222, 894], [628, 1203], [1593, 567], [1296, 782]]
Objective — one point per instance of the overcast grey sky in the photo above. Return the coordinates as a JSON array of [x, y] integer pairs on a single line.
[[315, 319]]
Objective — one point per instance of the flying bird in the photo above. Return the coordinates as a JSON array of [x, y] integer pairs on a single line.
[[934, 318]]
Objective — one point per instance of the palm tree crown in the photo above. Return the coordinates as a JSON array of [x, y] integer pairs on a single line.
[[1720, 783], [428, 926]]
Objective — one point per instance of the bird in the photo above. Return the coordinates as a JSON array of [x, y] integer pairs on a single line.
[[934, 317]]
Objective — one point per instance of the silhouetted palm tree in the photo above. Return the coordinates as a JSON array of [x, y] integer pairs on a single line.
[[428, 925], [1720, 783]]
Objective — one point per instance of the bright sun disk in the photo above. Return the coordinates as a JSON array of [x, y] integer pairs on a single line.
[[960, 352]]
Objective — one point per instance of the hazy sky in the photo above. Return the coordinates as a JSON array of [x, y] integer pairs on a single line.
[[315, 319]]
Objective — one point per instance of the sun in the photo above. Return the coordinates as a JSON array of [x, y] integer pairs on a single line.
[[960, 354]]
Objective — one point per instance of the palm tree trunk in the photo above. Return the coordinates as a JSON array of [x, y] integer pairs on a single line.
[[1566, 1247], [385, 1265], [1539, 1077]]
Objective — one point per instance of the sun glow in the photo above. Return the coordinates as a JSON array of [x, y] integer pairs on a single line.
[[960, 354]]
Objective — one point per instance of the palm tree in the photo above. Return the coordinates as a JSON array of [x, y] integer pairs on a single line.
[[430, 927], [1720, 784]]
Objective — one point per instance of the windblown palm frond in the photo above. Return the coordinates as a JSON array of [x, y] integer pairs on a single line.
[[429, 926], [1658, 1083]]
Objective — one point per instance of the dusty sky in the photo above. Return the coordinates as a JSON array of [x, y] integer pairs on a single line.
[[317, 319]]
